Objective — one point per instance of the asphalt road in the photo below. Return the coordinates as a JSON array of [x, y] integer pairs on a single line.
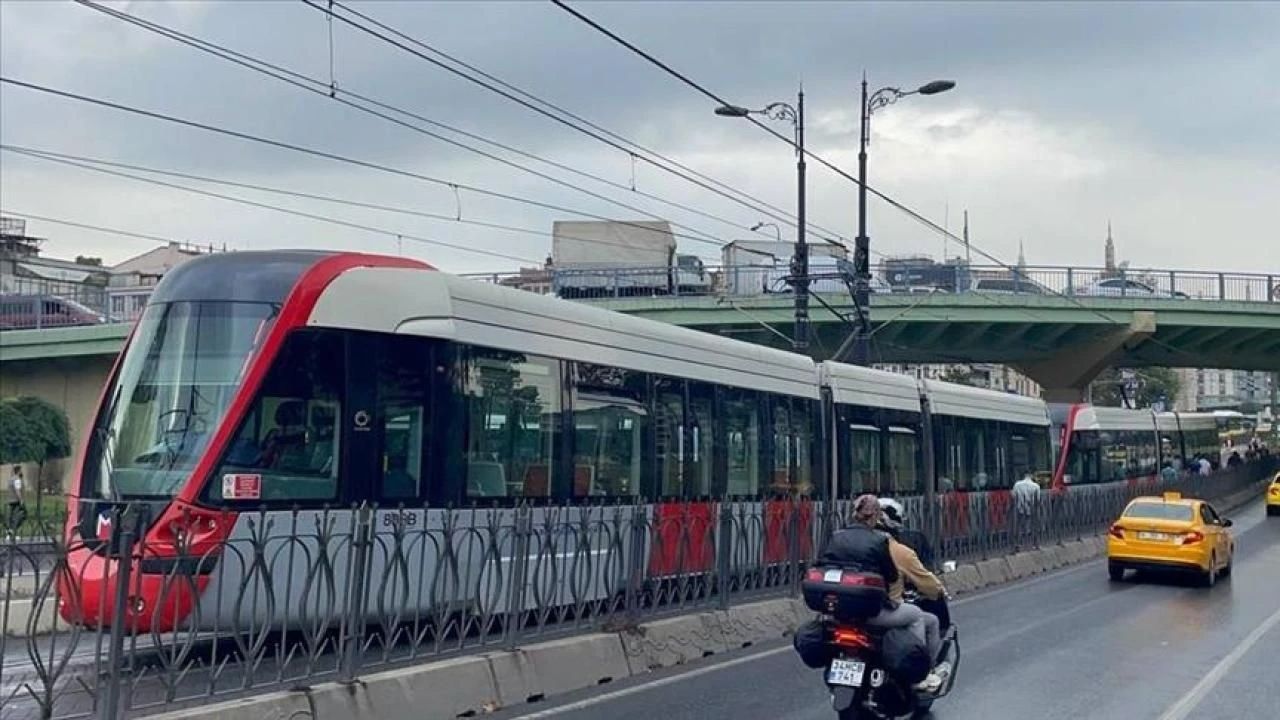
[[1069, 645]]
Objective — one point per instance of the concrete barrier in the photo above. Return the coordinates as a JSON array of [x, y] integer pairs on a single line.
[[964, 580], [436, 691], [1024, 564], [578, 662], [994, 571], [744, 625], [674, 641], [19, 623], [272, 706]]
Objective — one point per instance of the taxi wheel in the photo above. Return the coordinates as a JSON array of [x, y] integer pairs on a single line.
[[1116, 572], [1208, 579]]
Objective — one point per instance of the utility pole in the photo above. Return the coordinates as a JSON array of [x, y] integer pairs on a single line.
[[862, 244], [800, 339]]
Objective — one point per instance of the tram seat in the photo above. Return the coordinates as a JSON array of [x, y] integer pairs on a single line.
[[584, 480], [537, 480], [486, 479]]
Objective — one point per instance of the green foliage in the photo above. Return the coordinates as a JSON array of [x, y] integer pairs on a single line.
[[32, 430], [19, 442]]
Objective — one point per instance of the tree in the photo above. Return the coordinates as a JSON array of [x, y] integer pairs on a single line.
[[18, 438], [33, 430], [1153, 385]]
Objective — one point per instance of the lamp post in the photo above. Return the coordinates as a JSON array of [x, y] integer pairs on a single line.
[[777, 231], [862, 245], [800, 261]]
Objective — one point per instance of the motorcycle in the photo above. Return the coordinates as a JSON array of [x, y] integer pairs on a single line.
[[861, 685]]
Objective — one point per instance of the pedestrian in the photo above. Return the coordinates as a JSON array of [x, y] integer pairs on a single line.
[[1205, 466], [17, 507], [1026, 499], [1168, 474], [1235, 460]]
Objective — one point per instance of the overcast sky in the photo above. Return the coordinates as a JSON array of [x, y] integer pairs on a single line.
[[1160, 118]]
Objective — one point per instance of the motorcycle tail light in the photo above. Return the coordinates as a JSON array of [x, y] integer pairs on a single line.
[[851, 638]]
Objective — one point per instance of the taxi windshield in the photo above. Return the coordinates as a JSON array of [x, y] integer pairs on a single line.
[[1159, 511], [178, 376]]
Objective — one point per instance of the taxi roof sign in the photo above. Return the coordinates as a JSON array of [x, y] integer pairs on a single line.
[[1172, 496]]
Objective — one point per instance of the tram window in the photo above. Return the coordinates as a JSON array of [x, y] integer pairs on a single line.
[[702, 435], [742, 436], [976, 448], [792, 446], [289, 437], [610, 421], [404, 365], [513, 402], [670, 441], [903, 453], [864, 460]]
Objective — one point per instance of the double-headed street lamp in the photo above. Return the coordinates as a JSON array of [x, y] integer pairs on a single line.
[[800, 262], [862, 245]]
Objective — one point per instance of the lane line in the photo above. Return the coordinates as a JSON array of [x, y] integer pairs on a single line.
[[672, 679], [1189, 702]]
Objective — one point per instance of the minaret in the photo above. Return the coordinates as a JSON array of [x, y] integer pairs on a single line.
[[1022, 257], [1111, 250]]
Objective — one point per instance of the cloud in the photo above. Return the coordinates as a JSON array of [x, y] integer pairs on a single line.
[[1065, 116]]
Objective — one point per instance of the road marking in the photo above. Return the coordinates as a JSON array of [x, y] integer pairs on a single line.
[[672, 679], [1193, 698], [1023, 583]]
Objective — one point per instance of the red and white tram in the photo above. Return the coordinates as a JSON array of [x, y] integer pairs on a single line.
[[262, 393]]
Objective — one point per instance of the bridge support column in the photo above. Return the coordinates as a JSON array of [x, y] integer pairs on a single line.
[[1065, 378]]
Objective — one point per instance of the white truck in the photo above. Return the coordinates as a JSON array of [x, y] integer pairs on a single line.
[[606, 258], [753, 267]]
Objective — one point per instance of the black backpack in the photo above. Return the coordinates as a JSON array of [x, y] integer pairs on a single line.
[[810, 642], [905, 656]]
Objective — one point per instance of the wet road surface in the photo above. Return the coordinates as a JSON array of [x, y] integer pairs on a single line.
[[1069, 645]]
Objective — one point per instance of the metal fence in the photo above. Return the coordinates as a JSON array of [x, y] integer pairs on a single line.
[[297, 597], [761, 280], [39, 304]]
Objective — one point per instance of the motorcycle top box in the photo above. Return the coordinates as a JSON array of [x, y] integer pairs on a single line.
[[847, 595]]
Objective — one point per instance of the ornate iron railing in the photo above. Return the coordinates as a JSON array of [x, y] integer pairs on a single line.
[[121, 625]]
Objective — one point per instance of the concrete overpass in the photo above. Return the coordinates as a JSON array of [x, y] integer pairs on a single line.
[[1060, 342]]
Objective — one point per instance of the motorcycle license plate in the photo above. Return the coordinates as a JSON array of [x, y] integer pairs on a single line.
[[846, 672]]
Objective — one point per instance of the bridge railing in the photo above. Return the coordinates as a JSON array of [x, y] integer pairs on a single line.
[[105, 624], [34, 306], [892, 279]]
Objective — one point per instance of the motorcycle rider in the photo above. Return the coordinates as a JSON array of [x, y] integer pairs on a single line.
[[861, 548], [933, 594]]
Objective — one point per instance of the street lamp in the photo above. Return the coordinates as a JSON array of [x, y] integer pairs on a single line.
[[800, 262], [862, 245], [777, 231]]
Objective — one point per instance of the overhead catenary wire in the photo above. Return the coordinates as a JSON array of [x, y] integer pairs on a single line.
[[85, 226], [91, 163], [913, 214], [291, 211], [559, 114], [320, 87], [479, 190]]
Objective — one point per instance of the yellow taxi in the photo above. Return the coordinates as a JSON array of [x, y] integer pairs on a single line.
[[1170, 532], [1273, 496]]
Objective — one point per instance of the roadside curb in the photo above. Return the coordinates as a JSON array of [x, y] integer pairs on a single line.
[[480, 684]]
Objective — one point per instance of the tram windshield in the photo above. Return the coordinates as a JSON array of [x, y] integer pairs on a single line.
[[179, 375]]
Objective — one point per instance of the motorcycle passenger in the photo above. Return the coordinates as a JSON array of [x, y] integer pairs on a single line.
[[911, 571], [861, 548]]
